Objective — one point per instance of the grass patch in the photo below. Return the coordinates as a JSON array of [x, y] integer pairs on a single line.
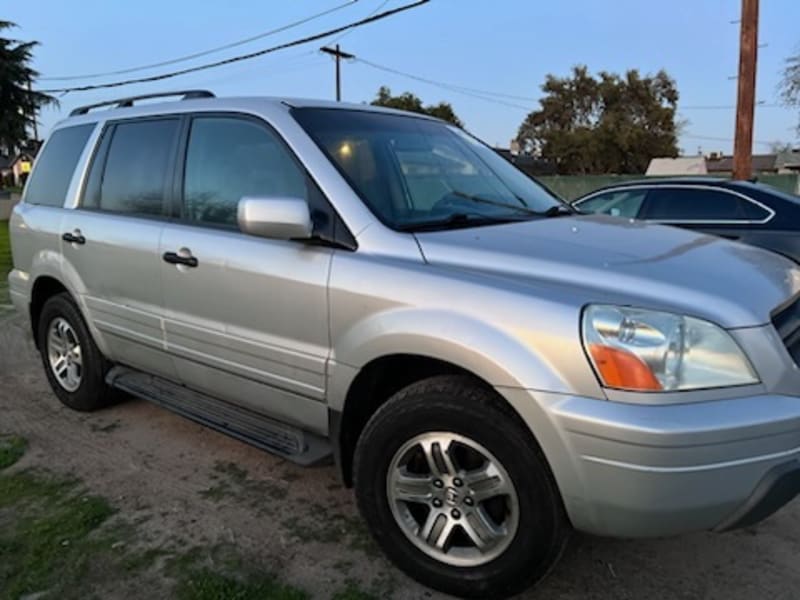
[[45, 534], [229, 579], [59, 542], [233, 481], [353, 592], [205, 584], [5, 263], [12, 447]]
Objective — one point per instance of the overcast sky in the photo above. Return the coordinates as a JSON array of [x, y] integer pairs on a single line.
[[503, 46]]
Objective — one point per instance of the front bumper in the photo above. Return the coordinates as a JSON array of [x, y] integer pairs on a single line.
[[631, 470]]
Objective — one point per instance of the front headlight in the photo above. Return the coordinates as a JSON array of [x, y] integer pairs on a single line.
[[644, 350]]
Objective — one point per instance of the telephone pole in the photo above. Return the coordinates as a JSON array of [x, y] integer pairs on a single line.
[[33, 113], [745, 103], [339, 55]]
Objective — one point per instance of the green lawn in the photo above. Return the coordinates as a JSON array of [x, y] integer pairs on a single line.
[[5, 264]]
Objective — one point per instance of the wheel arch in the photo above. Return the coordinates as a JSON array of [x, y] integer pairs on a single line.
[[44, 288], [377, 381]]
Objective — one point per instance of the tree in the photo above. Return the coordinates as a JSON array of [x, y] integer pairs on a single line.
[[604, 124], [778, 147], [790, 83], [18, 105], [410, 102]]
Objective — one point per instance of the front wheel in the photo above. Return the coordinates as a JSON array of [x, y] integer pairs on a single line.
[[457, 492]]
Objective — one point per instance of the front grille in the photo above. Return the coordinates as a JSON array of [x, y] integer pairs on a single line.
[[787, 323]]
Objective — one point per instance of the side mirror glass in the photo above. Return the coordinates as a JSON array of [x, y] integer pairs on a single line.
[[280, 218]]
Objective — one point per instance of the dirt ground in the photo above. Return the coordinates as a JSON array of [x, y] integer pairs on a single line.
[[185, 486]]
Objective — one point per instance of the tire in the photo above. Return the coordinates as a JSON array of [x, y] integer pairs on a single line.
[[468, 414], [89, 391]]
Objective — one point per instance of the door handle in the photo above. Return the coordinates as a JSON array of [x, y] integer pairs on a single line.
[[176, 259], [74, 238]]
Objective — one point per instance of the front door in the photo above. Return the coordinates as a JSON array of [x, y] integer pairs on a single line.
[[246, 318]]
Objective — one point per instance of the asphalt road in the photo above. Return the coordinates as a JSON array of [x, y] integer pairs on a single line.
[[183, 482]]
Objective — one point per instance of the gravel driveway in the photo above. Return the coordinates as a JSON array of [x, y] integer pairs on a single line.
[[184, 484]]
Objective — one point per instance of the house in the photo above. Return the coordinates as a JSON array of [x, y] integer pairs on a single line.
[[722, 165], [21, 167], [527, 163], [682, 165], [788, 162]]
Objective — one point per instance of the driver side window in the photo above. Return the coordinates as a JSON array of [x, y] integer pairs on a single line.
[[617, 203], [228, 158]]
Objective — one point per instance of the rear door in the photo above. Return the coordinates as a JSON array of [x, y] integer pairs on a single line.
[[37, 221], [246, 317], [113, 239], [715, 211]]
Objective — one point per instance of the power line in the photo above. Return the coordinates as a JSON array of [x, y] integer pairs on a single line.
[[340, 36], [227, 61], [724, 106], [709, 138], [450, 86], [463, 89], [204, 52]]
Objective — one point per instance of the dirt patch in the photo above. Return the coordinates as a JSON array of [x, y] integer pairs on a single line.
[[226, 515]]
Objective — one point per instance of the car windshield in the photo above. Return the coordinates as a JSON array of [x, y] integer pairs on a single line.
[[417, 174]]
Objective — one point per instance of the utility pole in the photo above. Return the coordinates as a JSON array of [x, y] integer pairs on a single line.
[[33, 113], [339, 55], [745, 102]]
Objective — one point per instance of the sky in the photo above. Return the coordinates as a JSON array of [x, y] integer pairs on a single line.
[[503, 46]]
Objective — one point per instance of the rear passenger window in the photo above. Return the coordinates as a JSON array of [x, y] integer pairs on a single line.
[[754, 212], [694, 204], [229, 158], [50, 180], [135, 169]]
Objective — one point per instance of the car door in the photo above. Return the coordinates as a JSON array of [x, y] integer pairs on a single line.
[[715, 211], [247, 317], [113, 239]]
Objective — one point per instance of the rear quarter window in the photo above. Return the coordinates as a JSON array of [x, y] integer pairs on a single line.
[[50, 179]]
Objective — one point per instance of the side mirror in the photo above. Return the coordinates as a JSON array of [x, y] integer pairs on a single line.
[[280, 218]]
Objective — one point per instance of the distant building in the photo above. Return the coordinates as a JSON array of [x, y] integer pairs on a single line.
[[721, 165], [788, 162], [682, 165], [525, 162]]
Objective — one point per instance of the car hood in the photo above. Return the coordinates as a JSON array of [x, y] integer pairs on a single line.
[[606, 259]]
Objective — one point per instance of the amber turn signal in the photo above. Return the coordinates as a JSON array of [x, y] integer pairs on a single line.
[[623, 370]]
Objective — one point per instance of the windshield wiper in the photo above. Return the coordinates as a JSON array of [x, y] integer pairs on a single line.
[[482, 200], [559, 210], [453, 221]]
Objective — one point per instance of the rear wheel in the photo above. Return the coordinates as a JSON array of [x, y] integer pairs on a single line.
[[457, 492], [74, 365]]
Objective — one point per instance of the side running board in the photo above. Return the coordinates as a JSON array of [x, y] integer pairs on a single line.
[[289, 442]]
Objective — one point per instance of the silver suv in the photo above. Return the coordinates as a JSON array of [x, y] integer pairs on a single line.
[[488, 370]]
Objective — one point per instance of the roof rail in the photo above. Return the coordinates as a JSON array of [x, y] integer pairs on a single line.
[[124, 102]]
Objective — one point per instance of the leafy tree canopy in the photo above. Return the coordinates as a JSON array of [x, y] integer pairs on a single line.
[[410, 102], [604, 124], [17, 103]]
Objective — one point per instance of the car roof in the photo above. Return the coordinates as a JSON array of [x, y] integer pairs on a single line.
[[254, 103], [688, 181]]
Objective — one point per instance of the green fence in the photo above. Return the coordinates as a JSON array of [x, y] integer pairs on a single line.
[[570, 187]]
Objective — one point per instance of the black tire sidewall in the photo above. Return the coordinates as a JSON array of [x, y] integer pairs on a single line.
[[92, 393], [542, 529]]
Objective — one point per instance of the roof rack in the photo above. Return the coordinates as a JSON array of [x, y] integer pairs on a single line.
[[124, 102]]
